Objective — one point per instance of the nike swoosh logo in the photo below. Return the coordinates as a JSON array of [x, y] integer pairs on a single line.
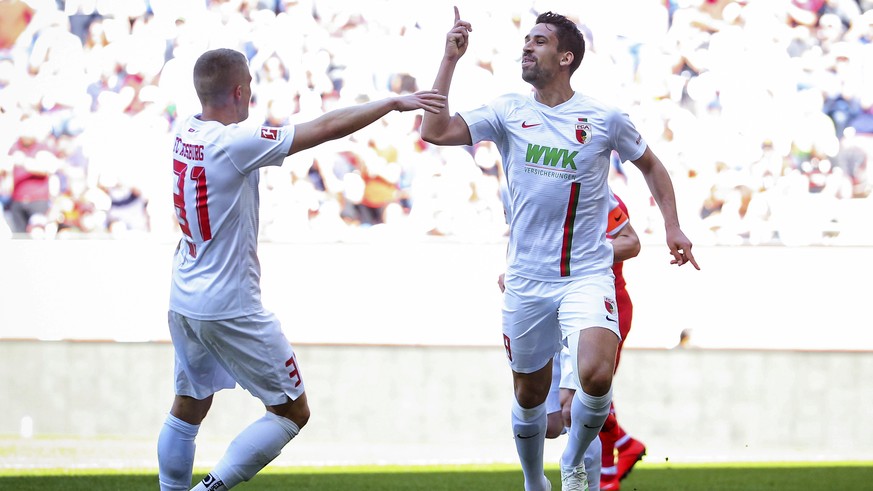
[[610, 319], [525, 125], [617, 219], [591, 427], [521, 437]]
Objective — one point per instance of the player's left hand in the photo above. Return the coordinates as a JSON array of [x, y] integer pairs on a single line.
[[429, 100], [680, 247]]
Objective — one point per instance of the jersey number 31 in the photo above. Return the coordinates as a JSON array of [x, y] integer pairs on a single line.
[[198, 175]]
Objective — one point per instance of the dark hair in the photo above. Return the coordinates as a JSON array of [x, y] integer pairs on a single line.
[[569, 36], [217, 72]]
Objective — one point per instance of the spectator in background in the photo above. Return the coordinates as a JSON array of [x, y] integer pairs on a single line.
[[684, 340], [381, 174], [5, 196], [695, 69], [33, 168]]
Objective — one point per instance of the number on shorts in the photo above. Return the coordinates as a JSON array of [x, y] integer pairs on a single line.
[[294, 373], [507, 346]]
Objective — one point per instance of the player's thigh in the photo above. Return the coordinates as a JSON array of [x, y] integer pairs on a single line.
[[255, 351], [589, 302], [531, 334], [589, 321], [594, 352]]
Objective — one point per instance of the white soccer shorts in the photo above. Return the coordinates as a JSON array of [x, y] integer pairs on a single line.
[[251, 351], [538, 316]]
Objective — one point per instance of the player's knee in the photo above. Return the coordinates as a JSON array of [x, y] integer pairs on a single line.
[[299, 413], [532, 389], [301, 416], [529, 396], [190, 410], [296, 411], [596, 380]]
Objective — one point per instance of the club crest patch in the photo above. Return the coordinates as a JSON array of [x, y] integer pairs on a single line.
[[583, 131], [609, 303]]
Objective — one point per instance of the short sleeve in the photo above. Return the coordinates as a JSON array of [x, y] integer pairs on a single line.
[[485, 122], [626, 140], [252, 147]]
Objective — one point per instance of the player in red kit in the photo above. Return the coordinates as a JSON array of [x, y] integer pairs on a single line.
[[612, 436]]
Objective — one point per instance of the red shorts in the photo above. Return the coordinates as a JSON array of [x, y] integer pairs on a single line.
[[625, 315]]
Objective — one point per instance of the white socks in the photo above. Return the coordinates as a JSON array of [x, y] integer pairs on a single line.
[[250, 452], [176, 454], [588, 414], [593, 461], [529, 428]]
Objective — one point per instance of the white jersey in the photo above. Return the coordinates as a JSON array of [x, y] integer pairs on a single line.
[[216, 274], [556, 162], [616, 221]]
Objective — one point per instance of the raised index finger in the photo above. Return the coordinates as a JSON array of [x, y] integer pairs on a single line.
[[457, 15]]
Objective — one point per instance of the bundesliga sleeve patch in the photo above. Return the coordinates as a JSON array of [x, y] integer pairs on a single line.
[[268, 133]]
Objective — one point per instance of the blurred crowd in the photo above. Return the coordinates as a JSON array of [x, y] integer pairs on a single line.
[[762, 110]]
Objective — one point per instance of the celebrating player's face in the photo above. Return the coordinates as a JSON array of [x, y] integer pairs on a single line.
[[540, 54]]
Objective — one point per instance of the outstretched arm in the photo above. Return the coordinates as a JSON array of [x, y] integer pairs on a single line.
[[345, 121], [661, 186], [441, 127]]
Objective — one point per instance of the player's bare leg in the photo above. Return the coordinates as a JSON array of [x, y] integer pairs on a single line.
[[529, 423]]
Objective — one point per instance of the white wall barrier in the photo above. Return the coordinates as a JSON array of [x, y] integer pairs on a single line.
[[102, 404], [443, 293]]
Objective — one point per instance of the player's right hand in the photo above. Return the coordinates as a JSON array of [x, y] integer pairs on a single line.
[[429, 100], [457, 39], [680, 248]]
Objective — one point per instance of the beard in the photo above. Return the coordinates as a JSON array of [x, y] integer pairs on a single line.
[[530, 75], [533, 74]]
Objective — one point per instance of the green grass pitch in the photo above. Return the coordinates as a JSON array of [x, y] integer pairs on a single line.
[[844, 476]]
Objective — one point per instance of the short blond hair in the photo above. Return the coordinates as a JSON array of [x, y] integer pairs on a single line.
[[217, 72]]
